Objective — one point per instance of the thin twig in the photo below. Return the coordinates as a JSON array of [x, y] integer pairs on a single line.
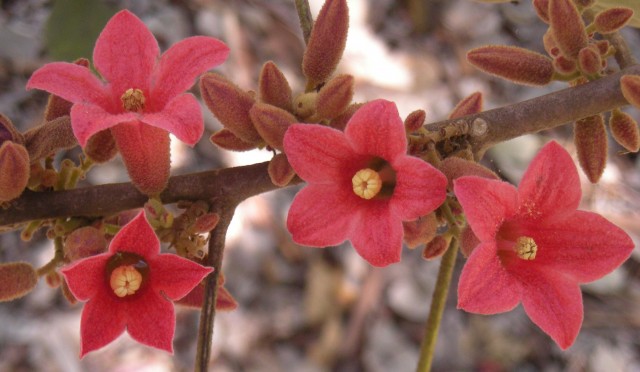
[[306, 20]]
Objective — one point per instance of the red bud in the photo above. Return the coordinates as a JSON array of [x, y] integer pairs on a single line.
[[14, 170], [334, 98], [568, 29], [612, 19], [101, 147], [280, 171], [590, 138], [513, 63], [274, 87], [84, 242], [589, 60], [414, 121], [420, 231], [469, 105], [18, 279], [624, 130], [271, 123], [229, 141], [630, 85]]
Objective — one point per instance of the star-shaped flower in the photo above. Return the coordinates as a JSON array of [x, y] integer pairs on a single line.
[[141, 99], [535, 246], [131, 287], [361, 183]]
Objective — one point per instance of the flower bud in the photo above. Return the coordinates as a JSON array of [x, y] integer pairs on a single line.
[[604, 47], [334, 98], [589, 60], [414, 121], [326, 42], [341, 121], [274, 87], [567, 27], [590, 138], [468, 241], [271, 123], [469, 105], [542, 9], [49, 137], [58, 107], [14, 170], [420, 231], [612, 19], [101, 147], [513, 63], [230, 105], [630, 85], [18, 279], [84, 242], [304, 105], [455, 167], [229, 141], [550, 44], [624, 130], [206, 223], [564, 65], [280, 171], [53, 279], [8, 132], [436, 247]]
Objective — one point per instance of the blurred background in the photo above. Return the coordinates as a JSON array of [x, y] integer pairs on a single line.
[[306, 309]]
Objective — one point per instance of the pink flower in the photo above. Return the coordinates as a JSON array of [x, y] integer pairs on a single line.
[[361, 183], [131, 287], [142, 99], [535, 247]]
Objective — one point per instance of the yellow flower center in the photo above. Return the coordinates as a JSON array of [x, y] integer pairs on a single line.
[[367, 183], [133, 100], [125, 280], [526, 248]]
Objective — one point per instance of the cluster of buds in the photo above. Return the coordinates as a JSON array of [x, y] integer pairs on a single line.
[[576, 54], [260, 119]]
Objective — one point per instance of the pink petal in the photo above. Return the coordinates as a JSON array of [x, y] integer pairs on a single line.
[[485, 287], [103, 320], [376, 129], [420, 188], [85, 277], [137, 237], [182, 117], [486, 203], [553, 303], [145, 153], [181, 64], [125, 53], [89, 119], [176, 276], [583, 245], [151, 321], [320, 154], [551, 184], [72, 82], [377, 235], [321, 215]]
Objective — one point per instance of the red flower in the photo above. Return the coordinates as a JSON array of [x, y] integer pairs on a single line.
[[535, 247], [131, 286], [142, 99], [361, 183]]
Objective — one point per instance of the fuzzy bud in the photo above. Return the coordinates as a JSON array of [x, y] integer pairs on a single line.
[[604, 47], [564, 65], [414, 121], [420, 231], [59, 107], [326, 42], [567, 27], [8, 132], [53, 279], [206, 223], [341, 121], [469, 105], [630, 85], [84, 242], [229, 141], [436, 247], [542, 9], [18, 279], [513, 63], [14, 170], [274, 87], [334, 98], [549, 44], [589, 60], [468, 241], [50, 137], [280, 171], [455, 167], [612, 19], [271, 123], [304, 105], [230, 105], [590, 138], [101, 147], [624, 130]]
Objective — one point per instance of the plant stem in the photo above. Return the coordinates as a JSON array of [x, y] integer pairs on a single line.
[[306, 21], [437, 307]]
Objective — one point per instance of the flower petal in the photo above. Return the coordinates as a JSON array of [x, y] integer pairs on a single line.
[[553, 303], [485, 287], [320, 154], [145, 153], [72, 82], [137, 237], [551, 184], [151, 321], [125, 53], [103, 320], [486, 203], [583, 245], [420, 188], [181, 117], [181, 64], [84, 277], [377, 234], [89, 119], [376, 129], [176, 276], [321, 215]]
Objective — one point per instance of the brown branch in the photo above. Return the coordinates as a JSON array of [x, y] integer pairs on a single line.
[[306, 20]]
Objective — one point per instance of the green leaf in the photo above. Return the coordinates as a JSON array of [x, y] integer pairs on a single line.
[[74, 26], [631, 4]]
